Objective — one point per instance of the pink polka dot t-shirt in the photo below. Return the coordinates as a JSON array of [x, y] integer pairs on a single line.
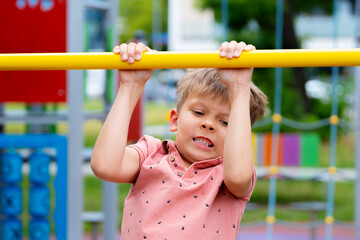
[[167, 201]]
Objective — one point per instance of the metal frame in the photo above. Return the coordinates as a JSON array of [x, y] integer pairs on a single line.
[[110, 190], [76, 14], [357, 129], [75, 40]]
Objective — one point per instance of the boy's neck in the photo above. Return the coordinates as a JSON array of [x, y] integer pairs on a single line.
[[186, 163]]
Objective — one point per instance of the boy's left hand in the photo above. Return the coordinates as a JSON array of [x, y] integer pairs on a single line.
[[235, 77]]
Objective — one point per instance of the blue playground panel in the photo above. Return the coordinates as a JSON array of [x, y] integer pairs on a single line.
[[39, 193]]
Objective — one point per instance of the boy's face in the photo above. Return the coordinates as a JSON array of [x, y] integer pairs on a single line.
[[201, 127]]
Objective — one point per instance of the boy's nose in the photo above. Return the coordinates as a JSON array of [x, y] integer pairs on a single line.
[[207, 126]]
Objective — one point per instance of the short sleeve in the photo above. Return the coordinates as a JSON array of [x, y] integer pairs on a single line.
[[248, 195], [145, 146]]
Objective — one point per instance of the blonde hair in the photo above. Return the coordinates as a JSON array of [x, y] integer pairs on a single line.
[[205, 81]]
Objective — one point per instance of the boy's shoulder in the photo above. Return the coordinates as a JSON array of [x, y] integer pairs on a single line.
[[149, 139], [153, 141], [149, 144]]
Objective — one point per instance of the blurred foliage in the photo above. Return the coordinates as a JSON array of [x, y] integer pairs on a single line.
[[255, 23], [136, 15], [242, 13]]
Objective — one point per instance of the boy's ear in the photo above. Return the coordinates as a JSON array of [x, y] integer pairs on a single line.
[[173, 120]]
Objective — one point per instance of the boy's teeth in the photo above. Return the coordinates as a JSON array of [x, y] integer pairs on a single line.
[[206, 143]]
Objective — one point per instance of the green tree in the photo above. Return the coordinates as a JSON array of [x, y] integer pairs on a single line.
[[136, 15]]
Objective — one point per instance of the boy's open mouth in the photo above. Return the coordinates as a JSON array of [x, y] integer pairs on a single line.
[[203, 141]]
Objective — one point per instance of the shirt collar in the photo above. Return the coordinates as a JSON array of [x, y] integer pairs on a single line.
[[169, 146]]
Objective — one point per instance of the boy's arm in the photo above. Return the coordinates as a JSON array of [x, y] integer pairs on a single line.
[[111, 159], [238, 153]]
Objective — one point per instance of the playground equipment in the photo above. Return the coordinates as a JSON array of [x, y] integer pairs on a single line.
[[273, 146], [333, 120], [296, 150], [150, 60], [52, 22], [39, 192], [349, 58]]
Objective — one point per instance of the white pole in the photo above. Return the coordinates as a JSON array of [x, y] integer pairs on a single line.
[[357, 128], [75, 36], [174, 24], [110, 190]]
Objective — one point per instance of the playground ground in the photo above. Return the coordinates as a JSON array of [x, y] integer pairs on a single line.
[[286, 233], [250, 232], [281, 233]]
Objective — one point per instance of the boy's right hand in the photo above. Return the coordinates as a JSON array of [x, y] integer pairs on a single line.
[[130, 53]]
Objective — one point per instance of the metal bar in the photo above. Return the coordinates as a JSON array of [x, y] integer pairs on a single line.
[[110, 190], [175, 24], [110, 207], [96, 4], [156, 24], [164, 60], [225, 19], [75, 42], [276, 125], [49, 118], [357, 151], [40, 119], [357, 127], [333, 128]]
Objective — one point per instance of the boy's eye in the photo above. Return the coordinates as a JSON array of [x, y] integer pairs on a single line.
[[198, 113], [223, 122]]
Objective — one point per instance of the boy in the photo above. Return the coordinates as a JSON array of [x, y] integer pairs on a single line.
[[198, 186]]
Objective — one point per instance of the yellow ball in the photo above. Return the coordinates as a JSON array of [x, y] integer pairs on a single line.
[[273, 170], [329, 220], [270, 219], [334, 120], [332, 170], [276, 118]]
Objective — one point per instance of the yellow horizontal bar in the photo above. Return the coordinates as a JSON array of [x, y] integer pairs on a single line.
[[164, 60]]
